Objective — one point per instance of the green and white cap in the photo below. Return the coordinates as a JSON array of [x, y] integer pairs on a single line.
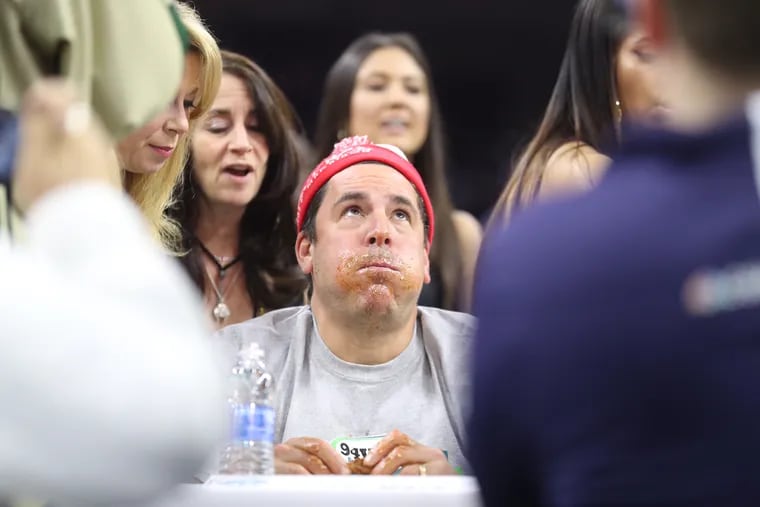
[[125, 57]]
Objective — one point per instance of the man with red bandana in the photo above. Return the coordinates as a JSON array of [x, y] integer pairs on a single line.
[[363, 372]]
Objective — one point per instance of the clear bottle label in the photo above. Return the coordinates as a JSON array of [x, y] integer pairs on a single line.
[[253, 423]]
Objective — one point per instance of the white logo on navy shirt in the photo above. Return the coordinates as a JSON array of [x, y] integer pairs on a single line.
[[711, 291]]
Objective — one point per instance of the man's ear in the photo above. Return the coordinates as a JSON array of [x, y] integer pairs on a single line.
[[427, 263], [304, 253], [652, 17]]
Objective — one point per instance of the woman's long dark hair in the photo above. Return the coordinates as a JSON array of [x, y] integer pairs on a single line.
[[582, 105], [334, 113], [267, 229]]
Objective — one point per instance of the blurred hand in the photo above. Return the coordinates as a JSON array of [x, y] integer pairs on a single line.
[[60, 143], [398, 450], [306, 455]]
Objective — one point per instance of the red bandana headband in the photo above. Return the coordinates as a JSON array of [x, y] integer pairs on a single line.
[[349, 152]]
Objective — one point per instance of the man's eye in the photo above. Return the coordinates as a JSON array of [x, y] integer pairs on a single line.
[[352, 211], [401, 214]]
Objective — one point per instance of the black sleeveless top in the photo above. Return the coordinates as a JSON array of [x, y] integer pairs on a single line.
[[432, 293]]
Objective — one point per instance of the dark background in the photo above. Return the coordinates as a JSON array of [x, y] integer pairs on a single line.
[[494, 64]]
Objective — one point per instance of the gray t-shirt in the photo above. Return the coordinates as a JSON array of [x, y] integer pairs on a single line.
[[423, 392]]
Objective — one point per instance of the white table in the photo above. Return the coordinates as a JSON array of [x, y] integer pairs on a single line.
[[330, 491]]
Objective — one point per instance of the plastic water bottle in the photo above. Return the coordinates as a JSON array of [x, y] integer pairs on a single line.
[[250, 450]]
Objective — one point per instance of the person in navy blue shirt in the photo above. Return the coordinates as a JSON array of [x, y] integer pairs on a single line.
[[617, 360]]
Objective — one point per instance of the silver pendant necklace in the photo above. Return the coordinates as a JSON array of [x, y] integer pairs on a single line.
[[219, 260], [221, 310]]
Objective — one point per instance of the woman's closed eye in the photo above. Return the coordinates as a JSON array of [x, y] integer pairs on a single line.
[[189, 105], [644, 55], [217, 125], [413, 89], [376, 86], [644, 51]]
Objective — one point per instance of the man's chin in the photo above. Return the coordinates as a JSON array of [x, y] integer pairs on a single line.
[[377, 299]]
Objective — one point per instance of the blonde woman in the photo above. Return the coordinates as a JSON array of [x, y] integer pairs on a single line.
[[152, 157]]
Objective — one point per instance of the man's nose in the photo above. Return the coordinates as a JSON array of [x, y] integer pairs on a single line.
[[380, 232]]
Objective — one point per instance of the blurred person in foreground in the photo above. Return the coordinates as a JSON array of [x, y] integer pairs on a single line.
[[617, 360], [109, 390]]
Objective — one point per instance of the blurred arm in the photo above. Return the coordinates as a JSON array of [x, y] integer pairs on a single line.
[[108, 386], [500, 442]]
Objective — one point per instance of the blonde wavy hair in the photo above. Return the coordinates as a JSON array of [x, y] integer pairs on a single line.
[[154, 193]]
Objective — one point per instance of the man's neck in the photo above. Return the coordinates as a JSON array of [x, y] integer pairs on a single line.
[[218, 228], [363, 341]]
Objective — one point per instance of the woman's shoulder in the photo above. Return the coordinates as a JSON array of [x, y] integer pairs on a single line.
[[573, 166], [466, 225], [470, 235]]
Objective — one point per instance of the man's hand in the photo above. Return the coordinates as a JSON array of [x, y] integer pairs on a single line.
[[60, 142], [398, 450], [305, 455]]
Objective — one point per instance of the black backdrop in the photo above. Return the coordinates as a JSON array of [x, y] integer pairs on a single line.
[[494, 63]]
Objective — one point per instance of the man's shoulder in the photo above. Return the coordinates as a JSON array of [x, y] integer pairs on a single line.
[[277, 326], [571, 230], [453, 327], [635, 215]]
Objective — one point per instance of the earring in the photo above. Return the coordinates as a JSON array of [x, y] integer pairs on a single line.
[[618, 119], [618, 112]]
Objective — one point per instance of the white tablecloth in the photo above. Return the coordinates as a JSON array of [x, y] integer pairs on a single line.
[[330, 491]]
